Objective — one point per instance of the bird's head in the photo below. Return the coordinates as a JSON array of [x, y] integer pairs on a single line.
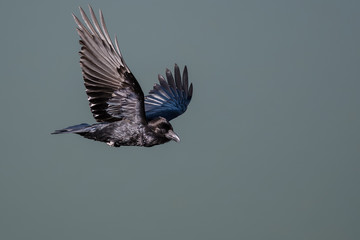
[[162, 128]]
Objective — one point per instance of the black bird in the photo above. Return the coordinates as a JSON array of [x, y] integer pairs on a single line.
[[125, 117]]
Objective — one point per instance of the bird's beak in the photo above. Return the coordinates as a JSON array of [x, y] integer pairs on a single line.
[[172, 135]]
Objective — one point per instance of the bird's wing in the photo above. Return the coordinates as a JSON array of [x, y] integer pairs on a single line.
[[113, 92], [170, 98]]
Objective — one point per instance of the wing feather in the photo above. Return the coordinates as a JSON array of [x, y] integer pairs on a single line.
[[171, 98], [113, 91]]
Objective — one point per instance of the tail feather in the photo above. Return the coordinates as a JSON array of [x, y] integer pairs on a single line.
[[72, 129]]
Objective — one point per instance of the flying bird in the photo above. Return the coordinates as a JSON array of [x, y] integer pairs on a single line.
[[125, 117]]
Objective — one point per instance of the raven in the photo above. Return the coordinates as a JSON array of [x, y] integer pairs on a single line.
[[125, 116]]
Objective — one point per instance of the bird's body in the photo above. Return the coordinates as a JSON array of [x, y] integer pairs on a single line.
[[125, 117], [121, 133]]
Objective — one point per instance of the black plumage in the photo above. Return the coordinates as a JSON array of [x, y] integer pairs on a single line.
[[169, 99], [125, 117]]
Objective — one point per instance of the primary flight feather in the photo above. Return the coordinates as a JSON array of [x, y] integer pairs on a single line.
[[125, 117]]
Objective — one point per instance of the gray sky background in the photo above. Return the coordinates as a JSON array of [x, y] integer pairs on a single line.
[[270, 143]]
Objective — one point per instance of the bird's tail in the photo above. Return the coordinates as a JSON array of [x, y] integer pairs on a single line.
[[72, 129]]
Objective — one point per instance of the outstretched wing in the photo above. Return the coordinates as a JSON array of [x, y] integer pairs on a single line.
[[113, 92], [171, 98]]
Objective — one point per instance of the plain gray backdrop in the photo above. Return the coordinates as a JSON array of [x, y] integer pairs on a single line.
[[270, 142]]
